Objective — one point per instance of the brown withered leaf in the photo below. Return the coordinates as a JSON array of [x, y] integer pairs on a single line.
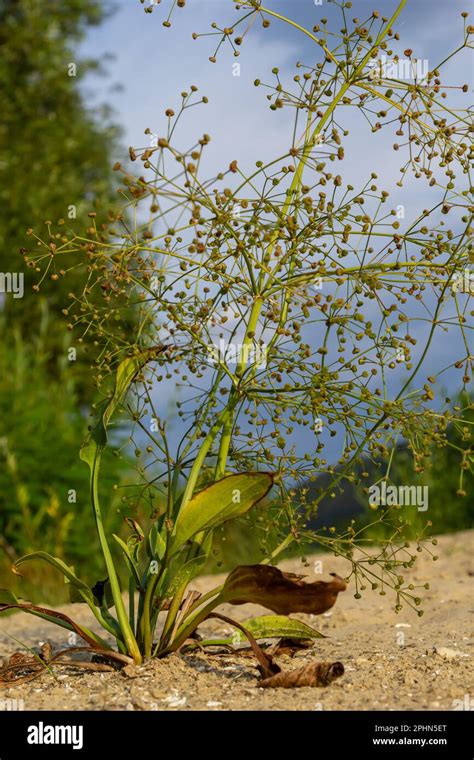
[[21, 667], [316, 674], [82, 632], [46, 652], [281, 592], [290, 646]]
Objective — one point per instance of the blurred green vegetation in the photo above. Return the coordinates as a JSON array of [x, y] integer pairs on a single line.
[[56, 156], [57, 150], [448, 474], [44, 490]]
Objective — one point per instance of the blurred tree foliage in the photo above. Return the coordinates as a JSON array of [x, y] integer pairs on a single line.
[[56, 156], [56, 153], [44, 490]]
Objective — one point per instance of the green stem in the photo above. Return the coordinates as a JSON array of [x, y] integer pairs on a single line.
[[234, 394], [172, 614], [123, 621], [199, 461]]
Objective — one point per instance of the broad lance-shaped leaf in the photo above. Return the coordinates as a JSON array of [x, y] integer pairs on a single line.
[[97, 439], [126, 373], [228, 498], [66, 570], [281, 592], [273, 627], [279, 626]]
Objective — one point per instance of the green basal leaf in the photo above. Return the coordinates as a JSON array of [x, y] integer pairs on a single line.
[[268, 627], [277, 627], [68, 572], [225, 500], [97, 439]]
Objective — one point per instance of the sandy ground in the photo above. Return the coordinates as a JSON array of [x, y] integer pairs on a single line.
[[391, 661]]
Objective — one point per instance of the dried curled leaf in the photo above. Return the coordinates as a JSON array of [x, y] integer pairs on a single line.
[[316, 674], [22, 668], [281, 592], [290, 646], [95, 642]]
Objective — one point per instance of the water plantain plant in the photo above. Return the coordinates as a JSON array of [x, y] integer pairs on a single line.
[[294, 311]]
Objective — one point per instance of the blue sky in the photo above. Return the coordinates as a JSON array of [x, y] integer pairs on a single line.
[[153, 64]]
